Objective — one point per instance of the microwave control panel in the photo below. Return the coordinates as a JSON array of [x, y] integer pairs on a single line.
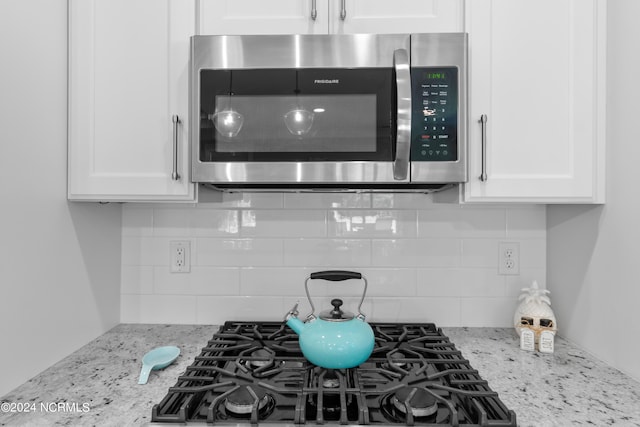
[[434, 121]]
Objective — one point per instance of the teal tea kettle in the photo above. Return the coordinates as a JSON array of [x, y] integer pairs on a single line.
[[336, 339]]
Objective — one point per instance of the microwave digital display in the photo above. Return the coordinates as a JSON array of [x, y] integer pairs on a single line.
[[434, 127]]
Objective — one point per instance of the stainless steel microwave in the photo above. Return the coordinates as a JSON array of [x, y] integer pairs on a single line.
[[329, 112]]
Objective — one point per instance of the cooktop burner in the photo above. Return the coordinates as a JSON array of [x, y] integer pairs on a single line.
[[254, 373]]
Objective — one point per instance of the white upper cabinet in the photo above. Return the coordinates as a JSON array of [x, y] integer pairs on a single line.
[[398, 16], [329, 16], [128, 78], [262, 17], [537, 71]]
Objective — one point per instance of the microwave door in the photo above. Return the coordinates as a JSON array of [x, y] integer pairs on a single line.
[[403, 115], [309, 119]]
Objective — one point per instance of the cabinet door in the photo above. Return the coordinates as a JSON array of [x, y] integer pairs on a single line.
[[399, 16], [262, 17], [128, 76], [537, 73]]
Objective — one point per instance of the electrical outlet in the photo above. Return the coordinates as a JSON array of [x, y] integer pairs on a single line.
[[509, 258], [180, 256]]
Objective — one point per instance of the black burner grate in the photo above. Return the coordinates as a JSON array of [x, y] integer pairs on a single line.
[[255, 373]]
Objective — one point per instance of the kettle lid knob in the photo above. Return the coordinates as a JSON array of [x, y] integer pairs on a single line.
[[336, 314]]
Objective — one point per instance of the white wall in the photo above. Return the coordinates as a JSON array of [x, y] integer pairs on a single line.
[[251, 254], [593, 255], [59, 262]]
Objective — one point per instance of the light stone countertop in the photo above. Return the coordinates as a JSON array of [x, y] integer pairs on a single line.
[[97, 385]]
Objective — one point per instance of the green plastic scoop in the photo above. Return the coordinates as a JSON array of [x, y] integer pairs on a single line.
[[158, 358]]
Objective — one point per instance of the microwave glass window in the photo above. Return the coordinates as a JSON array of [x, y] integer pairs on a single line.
[[297, 115], [305, 123]]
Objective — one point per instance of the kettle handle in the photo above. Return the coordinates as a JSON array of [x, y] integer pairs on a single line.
[[335, 276]]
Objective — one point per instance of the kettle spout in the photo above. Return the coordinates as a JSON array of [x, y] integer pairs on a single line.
[[296, 324], [293, 322]]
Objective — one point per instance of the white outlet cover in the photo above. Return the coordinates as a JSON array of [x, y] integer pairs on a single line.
[[180, 256], [509, 258]]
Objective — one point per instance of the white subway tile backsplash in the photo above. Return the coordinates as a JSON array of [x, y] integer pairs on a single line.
[[462, 223], [533, 253], [381, 282], [185, 221], [439, 282], [525, 279], [283, 223], [487, 312], [326, 252], [326, 200], [178, 309], [239, 252], [171, 222], [218, 200], [371, 224], [323, 303], [416, 253], [461, 282], [214, 223], [251, 253], [200, 281], [482, 282], [402, 201], [139, 250], [217, 310], [269, 281], [477, 253], [386, 282], [439, 310]]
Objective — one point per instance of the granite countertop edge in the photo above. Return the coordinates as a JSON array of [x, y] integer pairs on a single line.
[[97, 385]]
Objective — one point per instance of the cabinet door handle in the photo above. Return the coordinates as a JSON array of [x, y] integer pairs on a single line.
[[483, 124], [343, 9], [314, 10], [174, 174]]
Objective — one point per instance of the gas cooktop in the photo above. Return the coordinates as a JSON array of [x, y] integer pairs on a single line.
[[254, 373]]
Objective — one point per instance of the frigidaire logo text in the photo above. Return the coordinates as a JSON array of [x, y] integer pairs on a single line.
[[327, 81]]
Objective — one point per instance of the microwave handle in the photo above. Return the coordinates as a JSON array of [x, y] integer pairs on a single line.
[[403, 118]]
